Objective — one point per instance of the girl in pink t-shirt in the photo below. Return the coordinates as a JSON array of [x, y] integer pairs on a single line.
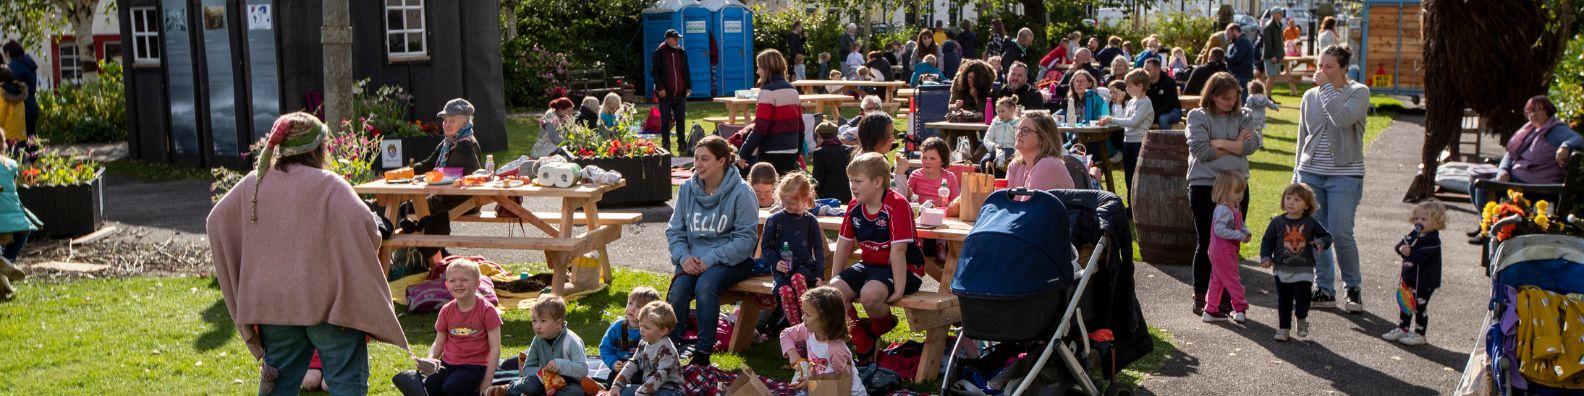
[[467, 337], [925, 184]]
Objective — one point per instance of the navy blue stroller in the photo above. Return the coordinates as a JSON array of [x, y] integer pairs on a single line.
[[1022, 289]]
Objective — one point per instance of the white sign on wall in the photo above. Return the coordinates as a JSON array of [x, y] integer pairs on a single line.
[[733, 26], [696, 27], [258, 17]]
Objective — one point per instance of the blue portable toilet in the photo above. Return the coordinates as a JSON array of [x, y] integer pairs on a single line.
[[731, 25], [697, 41], [663, 15]]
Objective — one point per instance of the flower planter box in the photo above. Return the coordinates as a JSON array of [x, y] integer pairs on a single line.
[[68, 210], [648, 178], [414, 149]]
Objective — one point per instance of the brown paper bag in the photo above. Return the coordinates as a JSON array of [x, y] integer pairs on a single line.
[[830, 385], [747, 384], [975, 188]]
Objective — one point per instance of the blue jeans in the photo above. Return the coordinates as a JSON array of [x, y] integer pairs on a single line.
[[342, 350], [1166, 120], [706, 289], [1338, 197]]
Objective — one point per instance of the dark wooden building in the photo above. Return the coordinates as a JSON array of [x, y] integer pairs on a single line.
[[206, 78]]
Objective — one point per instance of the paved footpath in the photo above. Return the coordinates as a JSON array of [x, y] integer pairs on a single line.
[[1344, 353]]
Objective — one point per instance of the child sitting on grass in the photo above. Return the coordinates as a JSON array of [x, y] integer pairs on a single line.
[[819, 344], [555, 349], [656, 363], [880, 224], [623, 335], [1421, 272], [467, 337]]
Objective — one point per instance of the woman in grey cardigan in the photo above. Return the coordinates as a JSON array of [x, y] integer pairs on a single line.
[[1221, 136], [1330, 159]]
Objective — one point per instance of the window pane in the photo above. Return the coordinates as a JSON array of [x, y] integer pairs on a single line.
[[393, 20], [414, 19], [397, 43], [392, 3], [415, 43], [415, 3], [153, 49]]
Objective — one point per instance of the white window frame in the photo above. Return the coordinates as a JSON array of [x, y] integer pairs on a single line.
[[145, 42], [406, 30], [73, 72]]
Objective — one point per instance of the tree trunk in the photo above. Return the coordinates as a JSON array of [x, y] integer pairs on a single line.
[[509, 9], [336, 36], [80, 13]]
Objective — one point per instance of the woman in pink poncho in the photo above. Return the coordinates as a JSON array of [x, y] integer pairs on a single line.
[[295, 254]]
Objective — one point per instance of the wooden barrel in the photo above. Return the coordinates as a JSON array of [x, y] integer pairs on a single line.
[[1161, 216]]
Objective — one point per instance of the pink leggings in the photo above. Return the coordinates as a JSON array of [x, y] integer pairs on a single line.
[[1224, 275]]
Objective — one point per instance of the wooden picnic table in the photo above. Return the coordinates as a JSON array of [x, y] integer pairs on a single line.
[[1091, 133], [823, 103], [932, 311], [973, 130], [1189, 102], [890, 87], [561, 244]]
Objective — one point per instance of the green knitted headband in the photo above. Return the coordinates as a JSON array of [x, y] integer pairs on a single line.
[[293, 134]]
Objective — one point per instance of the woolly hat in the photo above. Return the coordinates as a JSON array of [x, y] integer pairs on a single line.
[[293, 134]]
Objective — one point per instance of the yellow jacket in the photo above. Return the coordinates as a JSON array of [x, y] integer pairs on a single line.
[[13, 116], [1548, 354]]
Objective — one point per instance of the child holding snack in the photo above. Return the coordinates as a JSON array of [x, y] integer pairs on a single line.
[[555, 352], [819, 344]]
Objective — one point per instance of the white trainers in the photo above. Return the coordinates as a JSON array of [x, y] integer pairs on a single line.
[[1239, 317], [1394, 335], [1209, 317], [1303, 329], [1282, 335], [1355, 303], [1412, 339]]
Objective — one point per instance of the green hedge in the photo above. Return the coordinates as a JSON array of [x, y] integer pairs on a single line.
[[603, 34], [1567, 84], [89, 112]]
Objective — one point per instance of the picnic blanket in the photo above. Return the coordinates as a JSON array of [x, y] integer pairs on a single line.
[[508, 300]]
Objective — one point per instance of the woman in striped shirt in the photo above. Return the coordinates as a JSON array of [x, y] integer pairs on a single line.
[[1330, 159], [777, 135]]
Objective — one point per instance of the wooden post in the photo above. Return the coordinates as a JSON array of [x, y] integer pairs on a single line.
[[336, 36]]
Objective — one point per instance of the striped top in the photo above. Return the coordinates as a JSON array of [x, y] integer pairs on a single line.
[[778, 121], [1321, 161]]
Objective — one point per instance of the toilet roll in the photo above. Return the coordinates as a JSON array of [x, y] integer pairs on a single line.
[[558, 175]]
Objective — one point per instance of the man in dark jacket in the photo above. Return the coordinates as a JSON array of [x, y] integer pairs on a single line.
[[672, 85], [796, 43], [846, 41], [968, 40], [830, 164], [1112, 50], [1271, 48], [23, 68], [1201, 74], [1162, 93], [1240, 55], [1017, 85], [1017, 51]]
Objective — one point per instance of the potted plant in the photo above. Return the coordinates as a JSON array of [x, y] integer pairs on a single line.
[[65, 192], [383, 115], [646, 166]]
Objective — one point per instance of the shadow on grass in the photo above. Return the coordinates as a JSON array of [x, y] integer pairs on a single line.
[[220, 330]]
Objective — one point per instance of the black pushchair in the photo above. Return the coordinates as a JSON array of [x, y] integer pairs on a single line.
[[1023, 292]]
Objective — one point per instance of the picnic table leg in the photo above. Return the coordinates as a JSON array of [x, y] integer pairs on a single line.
[[558, 263], [930, 359], [743, 335], [949, 270], [591, 212]]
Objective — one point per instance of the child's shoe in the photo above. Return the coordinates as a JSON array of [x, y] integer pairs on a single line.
[[497, 390], [1412, 339], [1198, 304], [1282, 335], [1239, 317], [1303, 329], [1208, 317], [1394, 335]]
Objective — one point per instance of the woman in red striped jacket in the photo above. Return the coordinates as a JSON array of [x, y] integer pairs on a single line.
[[777, 135]]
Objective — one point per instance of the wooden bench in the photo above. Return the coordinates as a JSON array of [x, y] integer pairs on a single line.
[[610, 230], [555, 217], [717, 120], [594, 82]]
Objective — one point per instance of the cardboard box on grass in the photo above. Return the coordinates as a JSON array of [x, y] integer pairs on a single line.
[[748, 384]]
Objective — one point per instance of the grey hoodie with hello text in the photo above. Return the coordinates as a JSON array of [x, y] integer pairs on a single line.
[[719, 228]]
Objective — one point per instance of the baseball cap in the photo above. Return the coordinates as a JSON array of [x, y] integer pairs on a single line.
[[672, 33], [457, 106]]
